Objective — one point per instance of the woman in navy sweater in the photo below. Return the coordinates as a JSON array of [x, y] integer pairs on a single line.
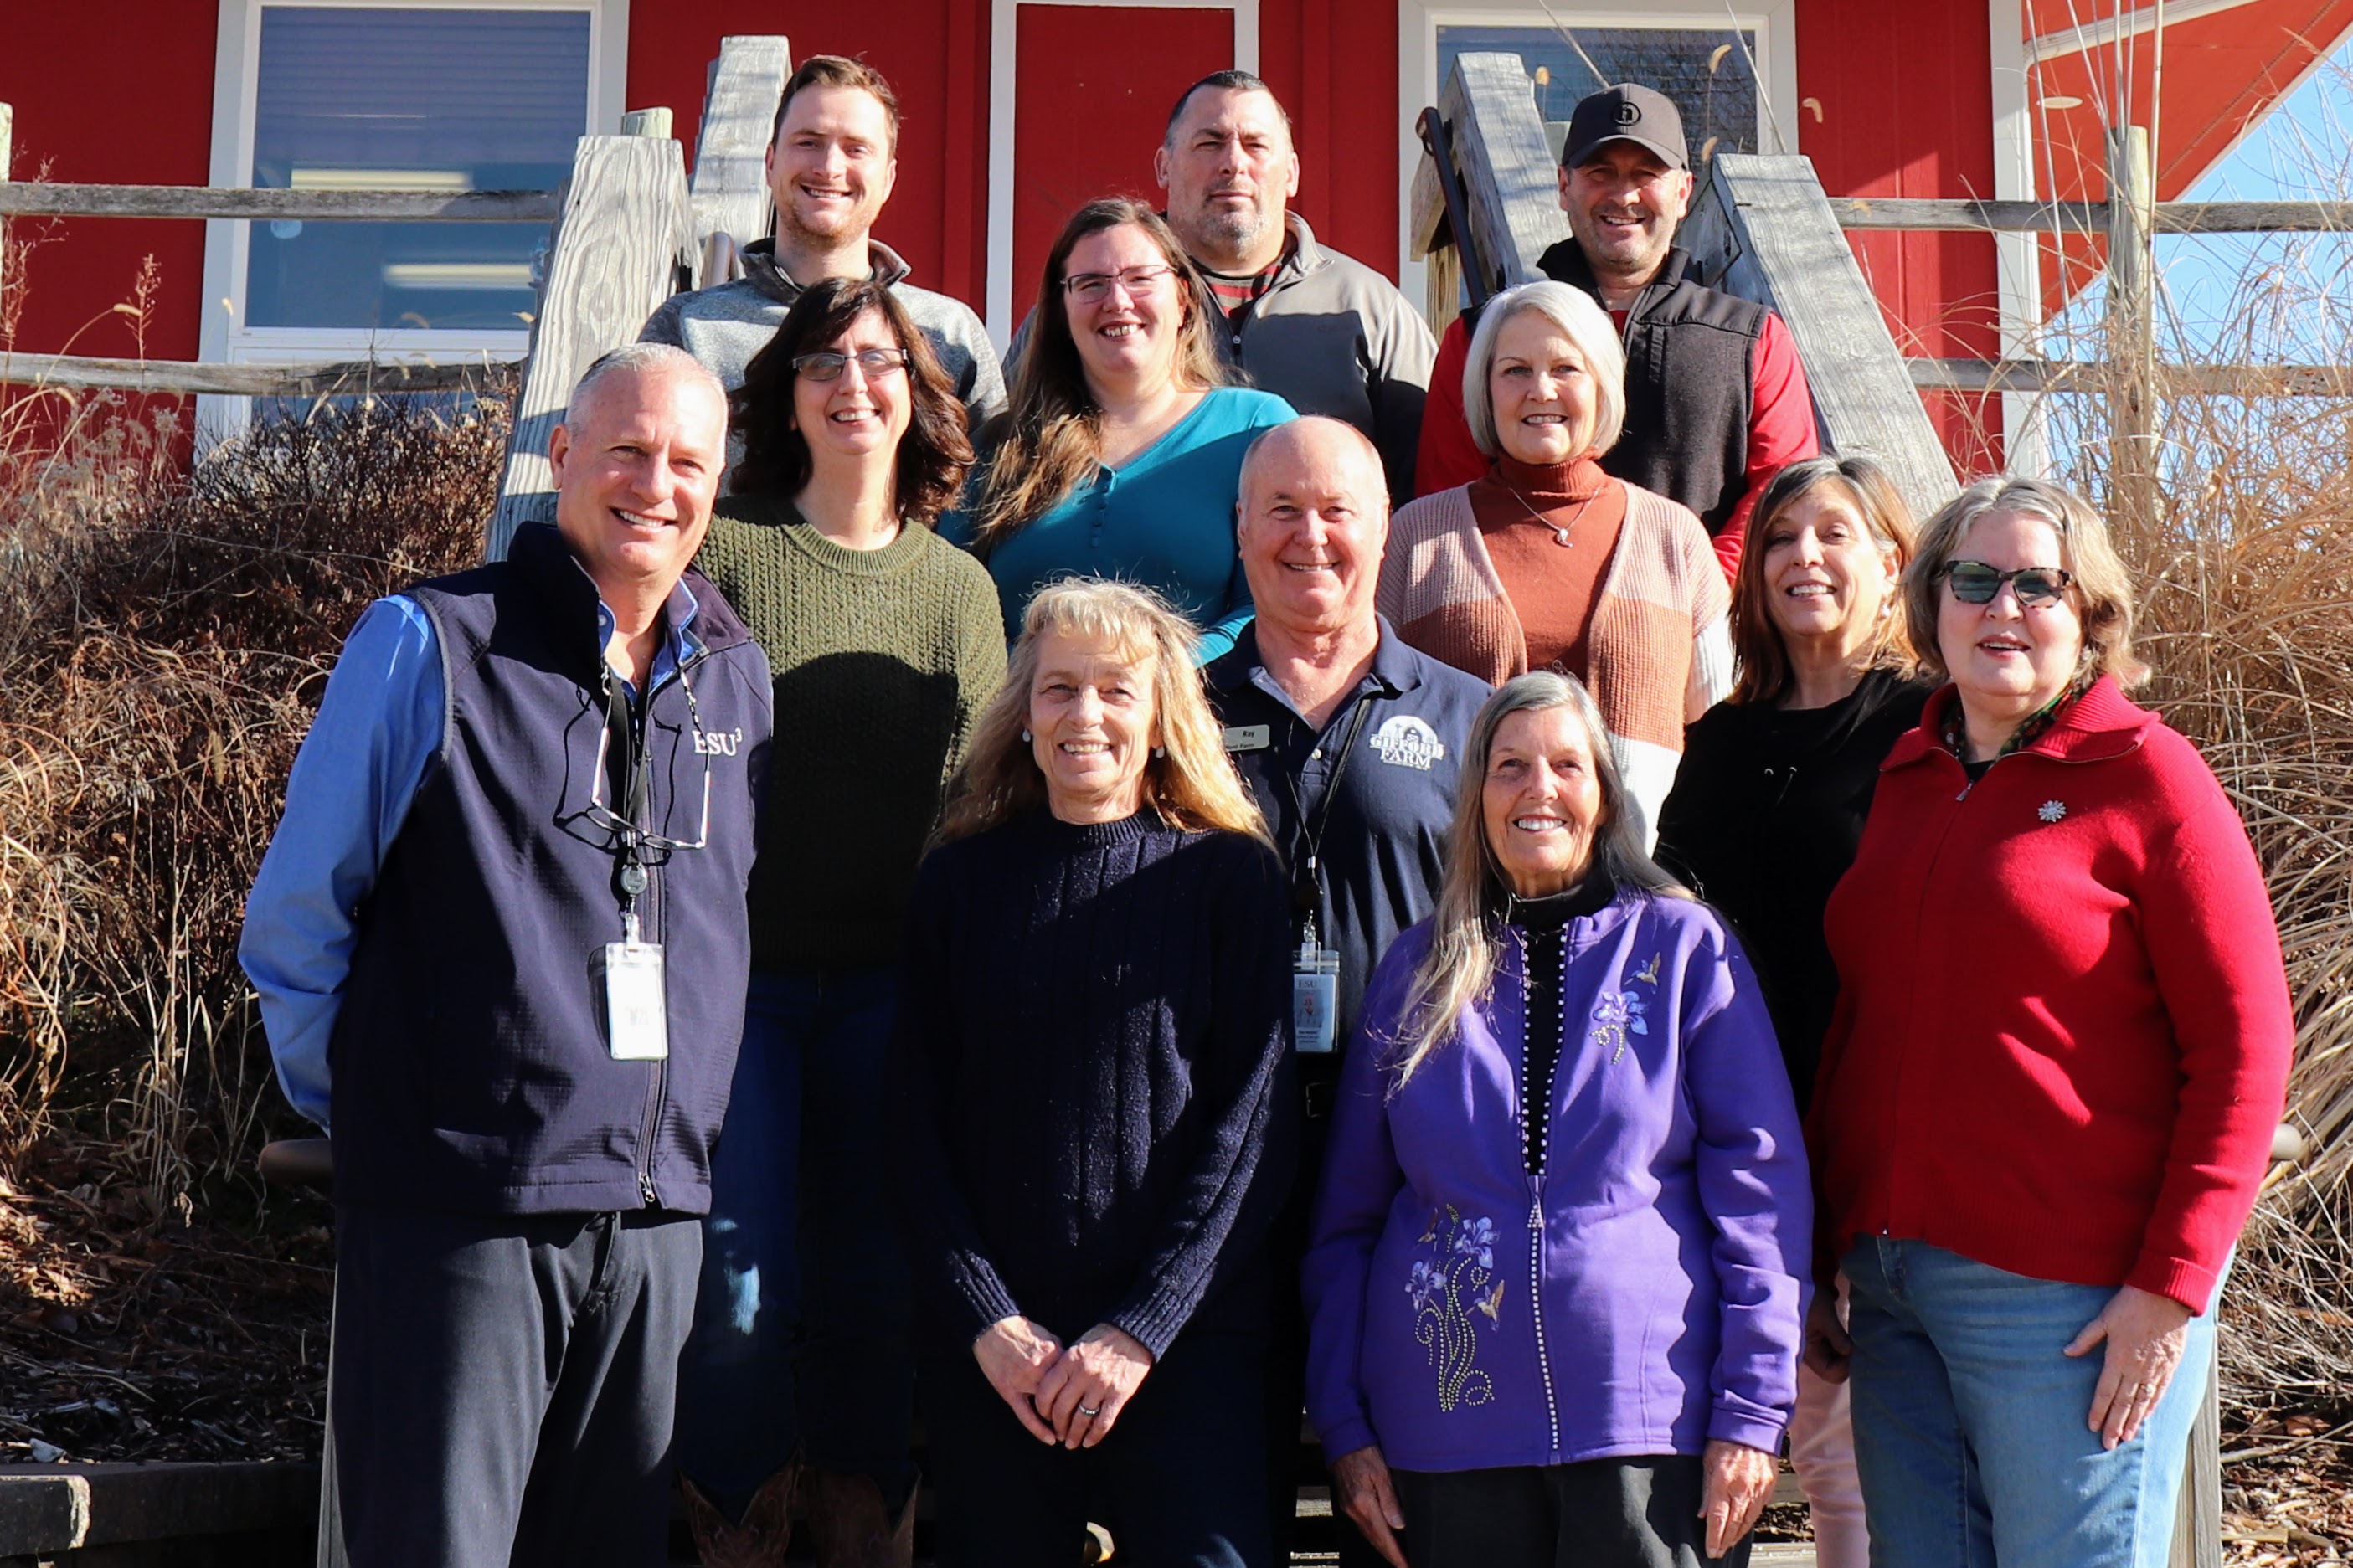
[[1091, 1067]]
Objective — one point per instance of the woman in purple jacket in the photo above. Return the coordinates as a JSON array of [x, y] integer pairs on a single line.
[[1575, 1331]]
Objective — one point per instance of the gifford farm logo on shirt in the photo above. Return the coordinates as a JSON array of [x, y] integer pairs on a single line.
[[1406, 741]]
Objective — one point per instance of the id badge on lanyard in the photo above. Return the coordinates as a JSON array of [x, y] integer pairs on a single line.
[[637, 1006], [1314, 998]]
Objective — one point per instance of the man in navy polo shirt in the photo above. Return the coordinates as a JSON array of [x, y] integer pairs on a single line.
[[1351, 741], [502, 946]]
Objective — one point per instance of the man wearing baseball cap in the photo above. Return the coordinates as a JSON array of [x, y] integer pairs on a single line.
[[1716, 400]]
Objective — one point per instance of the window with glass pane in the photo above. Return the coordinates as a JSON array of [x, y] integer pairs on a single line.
[[1709, 72], [424, 99]]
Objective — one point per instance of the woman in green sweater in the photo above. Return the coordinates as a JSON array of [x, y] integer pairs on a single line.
[[886, 642]]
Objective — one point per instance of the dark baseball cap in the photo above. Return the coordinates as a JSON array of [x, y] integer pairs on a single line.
[[1627, 113]]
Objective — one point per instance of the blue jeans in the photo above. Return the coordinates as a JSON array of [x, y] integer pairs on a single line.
[[1970, 1423], [800, 1328]]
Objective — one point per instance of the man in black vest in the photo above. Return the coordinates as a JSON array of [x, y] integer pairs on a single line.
[[501, 942], [1716, 399]]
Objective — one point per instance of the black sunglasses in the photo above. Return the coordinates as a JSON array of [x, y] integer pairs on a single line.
[[1975, 583]]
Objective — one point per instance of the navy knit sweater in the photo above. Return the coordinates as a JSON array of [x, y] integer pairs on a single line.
[[1092, 1070]]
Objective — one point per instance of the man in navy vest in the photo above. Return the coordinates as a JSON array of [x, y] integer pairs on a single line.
[[501, 948], [1716, 402]]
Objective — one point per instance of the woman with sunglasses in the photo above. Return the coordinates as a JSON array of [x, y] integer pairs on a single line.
[[1123, 448], [1771, 801], [885, 645], [2049, 1089]]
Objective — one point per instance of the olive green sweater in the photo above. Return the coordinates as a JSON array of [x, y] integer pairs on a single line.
[[883, 659]]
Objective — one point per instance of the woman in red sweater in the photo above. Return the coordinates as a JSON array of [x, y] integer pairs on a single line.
[[2048, 1093]]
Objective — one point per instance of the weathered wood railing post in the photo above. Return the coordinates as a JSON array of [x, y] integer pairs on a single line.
[[621, 242], [1760, 227], [1509, 178], [2131, 335], [731, 183]]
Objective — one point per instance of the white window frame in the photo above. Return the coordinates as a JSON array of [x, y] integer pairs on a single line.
[[225, 338], [1773, 22], [1004, 76]]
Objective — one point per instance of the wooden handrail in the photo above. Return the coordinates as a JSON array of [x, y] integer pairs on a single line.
[[1917, 214], [2177, 380], [38, 199], [176, 377]]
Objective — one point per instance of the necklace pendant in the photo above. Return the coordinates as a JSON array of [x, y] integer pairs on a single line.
[[1560, 537]]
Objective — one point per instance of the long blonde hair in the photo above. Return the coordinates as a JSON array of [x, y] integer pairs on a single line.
[[1192, 787], [1054, 434], [1475, 899]]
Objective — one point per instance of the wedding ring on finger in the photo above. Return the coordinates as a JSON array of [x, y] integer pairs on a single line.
[[1089, 1410]]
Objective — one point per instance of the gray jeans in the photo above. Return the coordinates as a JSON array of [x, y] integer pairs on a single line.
[[503, 1386]]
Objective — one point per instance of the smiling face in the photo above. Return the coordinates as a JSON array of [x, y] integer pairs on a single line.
[[1313, 515], [860, 413], [1092, 725], [1541, 801], [1127, 338], [1546, 402], [1230, 172], [2009, 660], [1826, 578], [636, 465], [830, 167], [1623, 203]]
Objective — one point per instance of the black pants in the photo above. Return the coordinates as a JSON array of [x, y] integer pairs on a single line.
[[1602, 1513], [1289, 1465], [1181, 1482], [503, 1387]]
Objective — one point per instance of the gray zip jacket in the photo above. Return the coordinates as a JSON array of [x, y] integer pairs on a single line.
[[724, 325], [1332, 336]]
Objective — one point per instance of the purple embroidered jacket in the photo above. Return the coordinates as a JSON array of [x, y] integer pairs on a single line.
[[1642, 1294]]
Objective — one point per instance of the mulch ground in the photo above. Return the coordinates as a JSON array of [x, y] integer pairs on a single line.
[[203, 1335]]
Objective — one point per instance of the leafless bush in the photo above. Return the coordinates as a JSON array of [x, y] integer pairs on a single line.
[[164, 635]]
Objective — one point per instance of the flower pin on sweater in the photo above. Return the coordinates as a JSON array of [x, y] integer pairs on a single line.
[[2052, 810]]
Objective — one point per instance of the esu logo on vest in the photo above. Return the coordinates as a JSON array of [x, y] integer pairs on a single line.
[[717, 742]]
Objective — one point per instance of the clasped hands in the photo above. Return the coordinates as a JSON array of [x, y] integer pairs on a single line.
[[1072, 1394]]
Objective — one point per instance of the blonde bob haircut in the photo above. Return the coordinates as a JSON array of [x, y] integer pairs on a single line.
[[1587, 327], [1763, 656], [2102, 591], [1190, 786], [1475, 899]]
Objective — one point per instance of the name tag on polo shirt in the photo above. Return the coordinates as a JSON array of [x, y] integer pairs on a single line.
[[637, 1020], [1250, 737]]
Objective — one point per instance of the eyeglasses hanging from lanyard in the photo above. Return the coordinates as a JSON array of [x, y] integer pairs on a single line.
[[639, 847]]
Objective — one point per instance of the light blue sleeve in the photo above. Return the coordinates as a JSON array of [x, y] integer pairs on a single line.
[[1260, 410], [378, 728]]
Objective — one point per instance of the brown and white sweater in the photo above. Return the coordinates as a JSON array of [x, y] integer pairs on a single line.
[[1658, 649]]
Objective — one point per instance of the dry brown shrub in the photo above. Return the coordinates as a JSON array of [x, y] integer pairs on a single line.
[[165, 636]]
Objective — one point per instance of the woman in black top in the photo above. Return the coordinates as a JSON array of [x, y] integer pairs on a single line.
[[1091, 1067], [1768, 806]]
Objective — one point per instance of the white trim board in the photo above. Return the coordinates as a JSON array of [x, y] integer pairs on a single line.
[[2026, 446], [222, 339], [2104, 30], [1004, 41], [1775, 22]]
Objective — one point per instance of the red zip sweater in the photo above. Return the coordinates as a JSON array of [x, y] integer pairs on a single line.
[[2062, 1035]]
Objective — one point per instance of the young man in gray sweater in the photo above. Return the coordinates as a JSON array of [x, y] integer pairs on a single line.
[[832, 159]]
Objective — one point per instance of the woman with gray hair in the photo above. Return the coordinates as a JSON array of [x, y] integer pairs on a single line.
[[1554, 1287], [1550, 564], [1090, 1069], [2048, 1093]]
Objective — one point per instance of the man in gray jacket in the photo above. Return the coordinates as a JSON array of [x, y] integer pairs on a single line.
[[1321, 329], [832, 159]]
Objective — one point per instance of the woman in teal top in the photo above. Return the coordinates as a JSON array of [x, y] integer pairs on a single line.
[[1124, 448]]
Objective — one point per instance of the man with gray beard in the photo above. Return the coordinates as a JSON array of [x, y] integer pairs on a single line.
[[1324, 332]]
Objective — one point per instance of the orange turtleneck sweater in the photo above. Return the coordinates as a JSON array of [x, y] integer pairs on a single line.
[[1521, 509]]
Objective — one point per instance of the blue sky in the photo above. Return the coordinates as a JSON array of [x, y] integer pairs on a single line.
[[2264, 296]]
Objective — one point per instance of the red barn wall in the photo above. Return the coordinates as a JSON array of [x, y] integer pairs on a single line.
[[136, 109], [1905, 108]]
